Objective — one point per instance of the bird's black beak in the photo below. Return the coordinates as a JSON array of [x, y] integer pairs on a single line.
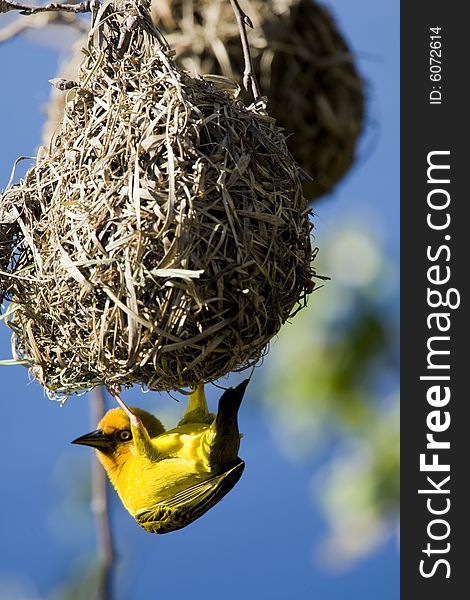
[[96, 439]]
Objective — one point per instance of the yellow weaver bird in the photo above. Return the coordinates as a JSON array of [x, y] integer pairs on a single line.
[[168, 479]]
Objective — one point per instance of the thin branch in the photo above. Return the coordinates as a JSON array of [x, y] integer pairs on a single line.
[[249, 77], [99, 505], [27, 9], [63, 84], [125, 34]]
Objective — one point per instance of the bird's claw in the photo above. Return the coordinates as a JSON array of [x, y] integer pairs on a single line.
[[115, 389]]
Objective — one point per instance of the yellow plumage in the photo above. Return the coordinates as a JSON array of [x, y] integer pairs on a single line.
[[167, 479]]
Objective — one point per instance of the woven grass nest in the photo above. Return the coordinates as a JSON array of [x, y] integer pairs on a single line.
[[303, 65], [165, 238], [302, 62], [10, 238]]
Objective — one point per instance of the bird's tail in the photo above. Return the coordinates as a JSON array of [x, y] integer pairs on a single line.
[[226, 442], [229, 404]]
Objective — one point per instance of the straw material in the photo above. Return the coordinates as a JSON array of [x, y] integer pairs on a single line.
[[165, 234], [302, 62], [10, 239], [303, 65]]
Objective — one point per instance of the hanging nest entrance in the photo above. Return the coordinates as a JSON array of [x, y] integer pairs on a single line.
[[165, 235]]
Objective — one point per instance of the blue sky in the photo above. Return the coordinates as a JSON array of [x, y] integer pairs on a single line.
[[259, 542]]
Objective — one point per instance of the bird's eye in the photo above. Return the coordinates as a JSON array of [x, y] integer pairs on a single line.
[[124, 435]]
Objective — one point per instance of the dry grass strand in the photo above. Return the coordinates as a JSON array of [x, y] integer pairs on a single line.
[[165, 238]]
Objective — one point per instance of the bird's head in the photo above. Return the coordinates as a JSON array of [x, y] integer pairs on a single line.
[[116, 433]]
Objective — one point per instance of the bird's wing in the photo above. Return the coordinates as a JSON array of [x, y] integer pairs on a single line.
[[188, 505]]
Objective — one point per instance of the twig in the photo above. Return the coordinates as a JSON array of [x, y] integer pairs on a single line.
[[63, 84], [249, 77], [99, 505], [26, 9]]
